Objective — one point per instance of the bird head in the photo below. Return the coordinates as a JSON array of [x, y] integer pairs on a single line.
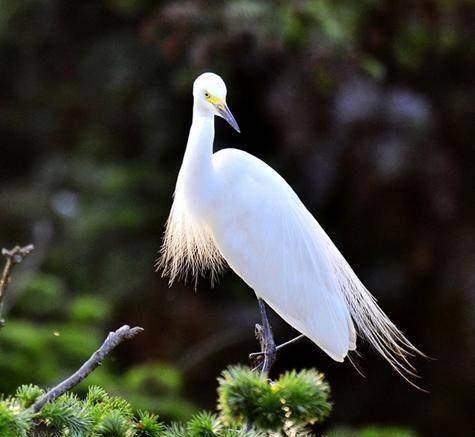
[[209, 92]]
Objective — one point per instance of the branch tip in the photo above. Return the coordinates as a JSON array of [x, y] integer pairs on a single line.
[[13, 256], [114, 338]]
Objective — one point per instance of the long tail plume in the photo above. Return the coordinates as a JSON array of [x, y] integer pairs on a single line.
[[370, 320]]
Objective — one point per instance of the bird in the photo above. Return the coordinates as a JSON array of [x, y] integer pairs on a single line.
[[232, 209]]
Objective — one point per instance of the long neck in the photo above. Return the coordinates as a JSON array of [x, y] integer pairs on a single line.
[[197, 164], [199, 148]]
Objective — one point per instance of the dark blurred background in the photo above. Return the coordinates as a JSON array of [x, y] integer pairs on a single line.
[[365, 107]]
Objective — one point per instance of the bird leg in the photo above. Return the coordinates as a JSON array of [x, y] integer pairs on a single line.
[[265, 358]]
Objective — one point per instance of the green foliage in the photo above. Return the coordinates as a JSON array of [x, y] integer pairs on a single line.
[[67, 415], [293, 401], [14, 422], [99, 414], [148, 425], [303, 395], [204, 425], [96, 395], [175, 430], [112, 415], [244, 396], [28, 394], [113, 424]]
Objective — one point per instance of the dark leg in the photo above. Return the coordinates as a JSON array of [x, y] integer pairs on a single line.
[[266, 340]]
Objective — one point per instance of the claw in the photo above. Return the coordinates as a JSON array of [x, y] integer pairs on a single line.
[[254, 355], [259, 332], [263, 333]]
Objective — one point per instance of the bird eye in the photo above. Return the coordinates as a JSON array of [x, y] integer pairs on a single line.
[[207, 95]]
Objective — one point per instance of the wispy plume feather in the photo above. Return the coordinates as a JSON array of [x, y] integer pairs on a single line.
[[188, 249], [370, 320]]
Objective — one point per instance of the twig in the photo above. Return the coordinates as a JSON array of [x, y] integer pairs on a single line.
[[43, 236], [287, 343], [281, 346], [110, 343], [13, 256]]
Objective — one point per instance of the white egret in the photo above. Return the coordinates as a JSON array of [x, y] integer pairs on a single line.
[[232, 208]]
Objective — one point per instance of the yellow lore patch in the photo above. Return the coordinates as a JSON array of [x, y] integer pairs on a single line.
[[214, 100]]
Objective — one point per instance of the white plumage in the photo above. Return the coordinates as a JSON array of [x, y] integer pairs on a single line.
[[230, 207]]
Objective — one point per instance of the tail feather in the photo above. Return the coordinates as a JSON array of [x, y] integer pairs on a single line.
[[374, 325], [370, 320]]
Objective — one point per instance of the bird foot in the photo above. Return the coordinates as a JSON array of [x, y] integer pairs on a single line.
[[264, 359]]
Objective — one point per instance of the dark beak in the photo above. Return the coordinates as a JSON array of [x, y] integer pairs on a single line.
[[224, 112]]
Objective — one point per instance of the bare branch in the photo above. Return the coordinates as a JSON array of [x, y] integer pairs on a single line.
[[110, 343], [13, 256]]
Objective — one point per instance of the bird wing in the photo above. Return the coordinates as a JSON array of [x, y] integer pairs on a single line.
[[269, 238]]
